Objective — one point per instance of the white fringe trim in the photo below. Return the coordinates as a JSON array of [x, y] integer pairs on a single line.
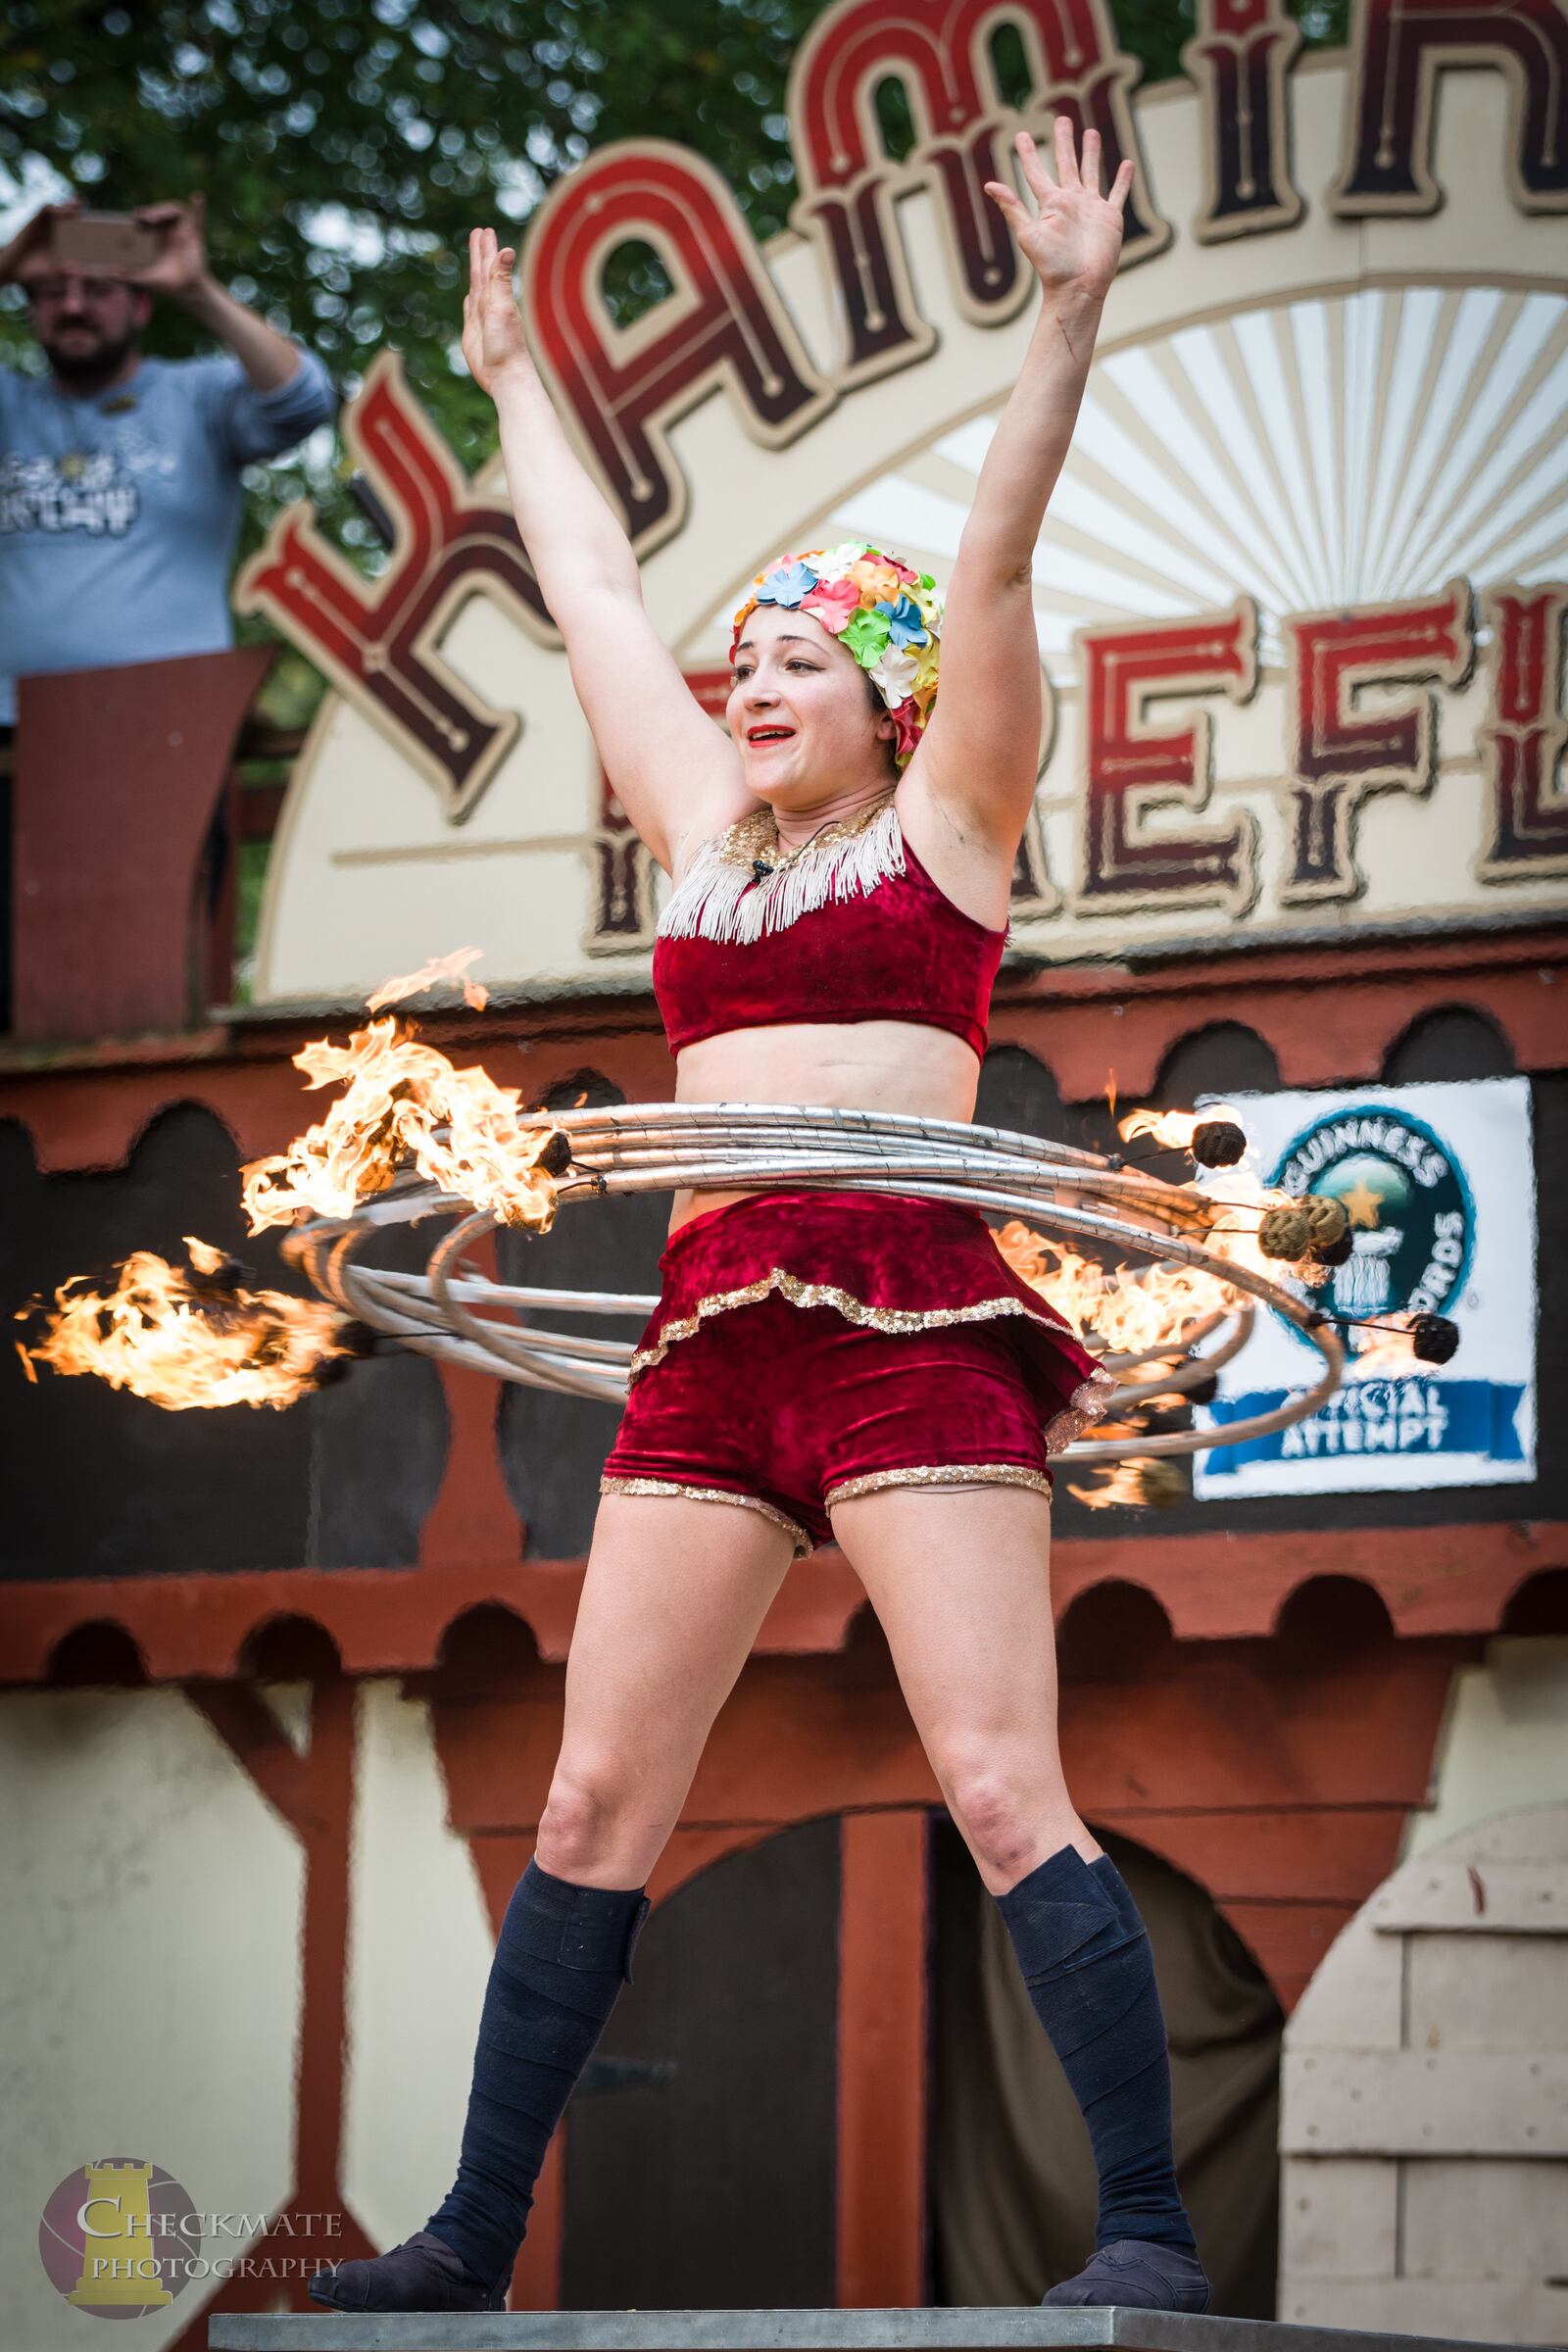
[[719, 897]]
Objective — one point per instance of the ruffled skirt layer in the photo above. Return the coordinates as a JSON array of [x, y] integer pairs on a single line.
[[889, 1263]]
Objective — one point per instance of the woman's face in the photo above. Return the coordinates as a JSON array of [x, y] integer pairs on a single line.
[[803, 712]]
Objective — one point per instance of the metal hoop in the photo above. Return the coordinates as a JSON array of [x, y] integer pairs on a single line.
[[455, 1312]]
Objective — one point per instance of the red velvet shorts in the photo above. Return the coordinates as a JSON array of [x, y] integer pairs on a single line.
[[809, 1346]]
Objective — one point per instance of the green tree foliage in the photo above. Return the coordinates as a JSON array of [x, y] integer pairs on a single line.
[[345, 148]]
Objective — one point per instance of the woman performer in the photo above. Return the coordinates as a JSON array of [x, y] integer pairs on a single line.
[[823, 1363]]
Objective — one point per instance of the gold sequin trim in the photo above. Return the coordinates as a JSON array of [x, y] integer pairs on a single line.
[[951, 1474], [854, 1311], [756, 835], [803, 1544], [1086, 1406]]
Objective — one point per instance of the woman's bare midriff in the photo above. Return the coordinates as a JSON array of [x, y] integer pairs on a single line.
[[850, 1065]]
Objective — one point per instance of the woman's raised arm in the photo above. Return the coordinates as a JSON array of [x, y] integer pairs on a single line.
[[977, 760], [678, 777]]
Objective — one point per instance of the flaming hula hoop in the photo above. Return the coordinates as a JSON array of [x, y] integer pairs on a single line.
[[458, 1313], [409, 1136]]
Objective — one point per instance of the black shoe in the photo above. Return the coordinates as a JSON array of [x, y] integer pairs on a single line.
[[422, 2274], [1140, 2274]]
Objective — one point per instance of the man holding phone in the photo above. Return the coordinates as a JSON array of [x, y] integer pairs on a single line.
[[120, 474]]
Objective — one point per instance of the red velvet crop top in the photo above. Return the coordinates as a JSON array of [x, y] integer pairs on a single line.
[[892, 948]]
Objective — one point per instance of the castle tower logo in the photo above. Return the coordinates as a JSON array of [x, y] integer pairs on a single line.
[[119, 2237]]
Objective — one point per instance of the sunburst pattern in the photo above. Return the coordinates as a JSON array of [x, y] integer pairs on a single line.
[[1327, 452]]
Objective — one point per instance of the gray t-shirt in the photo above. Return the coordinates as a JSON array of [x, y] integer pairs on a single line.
[[118, 513]]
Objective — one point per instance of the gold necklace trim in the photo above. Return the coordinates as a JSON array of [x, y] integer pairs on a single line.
[[753, 837], [737, 887]]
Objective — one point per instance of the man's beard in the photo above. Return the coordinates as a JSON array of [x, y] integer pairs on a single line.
[[85, 367]]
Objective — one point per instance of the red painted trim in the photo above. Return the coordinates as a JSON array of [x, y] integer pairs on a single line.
[[314, 1793], [1280, 1784], [118, 775], [1228, 1586], [472, 1517], [84, 1107], [881, 2061], [1378, 992], [1432, 1580]]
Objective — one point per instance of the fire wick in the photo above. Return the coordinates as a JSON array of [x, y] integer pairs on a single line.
[[1133, 1160]]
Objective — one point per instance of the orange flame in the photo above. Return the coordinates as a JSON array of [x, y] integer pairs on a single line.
[[1137, 1480], [1238, 1212], [404, 1103], [1126, 1310], [190, 1339], [1389, 1353], [1175, 1128], [181, 1343], [430, 975]]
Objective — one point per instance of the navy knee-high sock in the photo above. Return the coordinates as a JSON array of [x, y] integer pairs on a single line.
[[1086, 1960], [562, 1956]]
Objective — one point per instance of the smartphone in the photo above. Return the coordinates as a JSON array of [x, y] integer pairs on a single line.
[[107, 241]]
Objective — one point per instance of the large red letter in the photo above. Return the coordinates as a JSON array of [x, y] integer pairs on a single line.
[[1129, 770], [1339, 752], [939, 51], [723, 323], [378, 640], [1522, 742], [1397, 50], [623, 916], [1240, 58]]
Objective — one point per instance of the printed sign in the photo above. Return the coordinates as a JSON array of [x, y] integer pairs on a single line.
[[1438, 1183]]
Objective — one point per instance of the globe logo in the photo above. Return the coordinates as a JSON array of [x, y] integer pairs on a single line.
[[1412, 1219]]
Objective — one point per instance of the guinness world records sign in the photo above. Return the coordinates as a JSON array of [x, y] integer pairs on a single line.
[[1438, 1185]]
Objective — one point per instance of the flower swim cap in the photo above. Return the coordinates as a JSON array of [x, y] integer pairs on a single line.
[[889, 617]]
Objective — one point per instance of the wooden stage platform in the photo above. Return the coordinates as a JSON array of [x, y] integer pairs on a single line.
[[946, 2329]]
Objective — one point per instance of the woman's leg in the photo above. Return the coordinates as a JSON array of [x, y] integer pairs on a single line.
[[673, 1595], [959, 1579]]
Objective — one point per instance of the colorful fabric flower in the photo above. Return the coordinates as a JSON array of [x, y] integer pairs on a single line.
[[905, 624], [878, 582], [831, 601], [888, 615], [832, 563], [910, 727], [893, 676], [787, 583], [866, 634]]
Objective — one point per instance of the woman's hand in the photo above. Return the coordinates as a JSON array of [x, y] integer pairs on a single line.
[[494, 344], [1074, 240]]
